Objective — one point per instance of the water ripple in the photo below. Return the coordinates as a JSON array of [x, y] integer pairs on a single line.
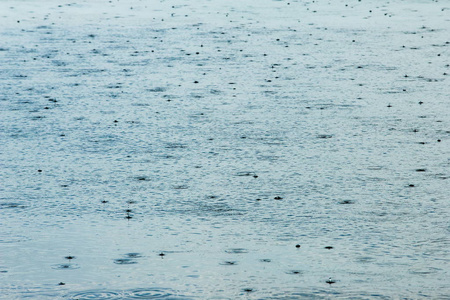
[[150, 294], [144, 293], [87, 295]]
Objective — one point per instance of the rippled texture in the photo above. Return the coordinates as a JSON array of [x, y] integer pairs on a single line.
[[183, 149], [134, 294]]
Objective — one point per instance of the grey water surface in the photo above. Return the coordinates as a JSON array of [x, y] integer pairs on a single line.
[[224, 149]]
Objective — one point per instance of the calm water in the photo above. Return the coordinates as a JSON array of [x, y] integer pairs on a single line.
[[182, 149]]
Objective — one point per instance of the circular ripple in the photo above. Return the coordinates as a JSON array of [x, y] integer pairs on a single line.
[[228, 263], [236, 250], [96, 295], [11, 205], [294, 272], [149, 294], [324, 136], [124, 261], [133, 255], [66, 266], [245, 174]]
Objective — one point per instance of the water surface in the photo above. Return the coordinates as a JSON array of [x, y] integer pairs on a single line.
[[181, 149]]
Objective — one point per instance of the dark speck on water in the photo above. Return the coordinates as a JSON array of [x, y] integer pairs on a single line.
[[346, 202], [295, 272], [324, 136]]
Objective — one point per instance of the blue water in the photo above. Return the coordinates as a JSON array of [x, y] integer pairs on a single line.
[[179, 150]]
